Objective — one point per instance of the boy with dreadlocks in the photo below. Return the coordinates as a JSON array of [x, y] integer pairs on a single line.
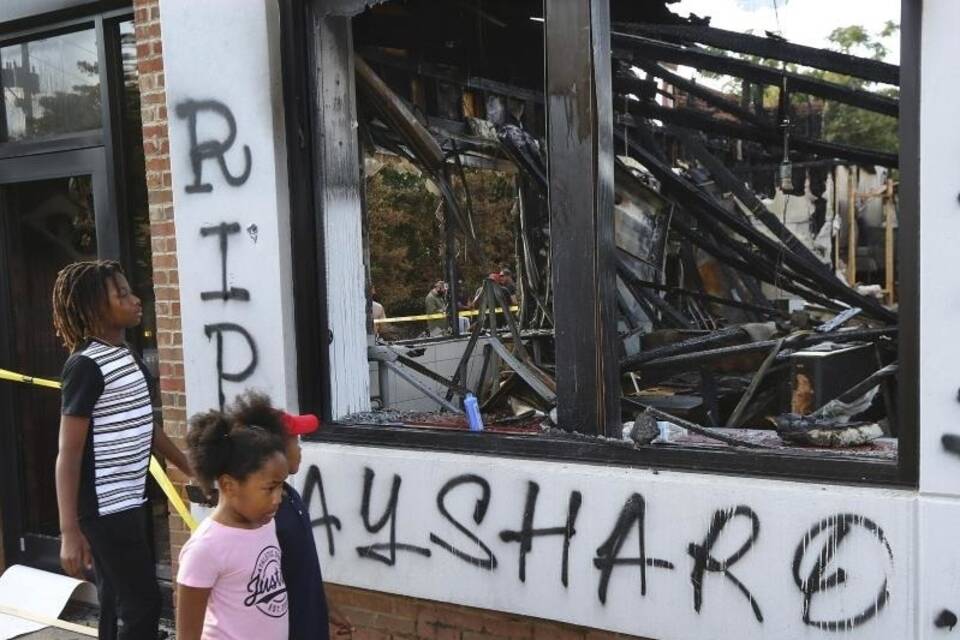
[[106, 436]]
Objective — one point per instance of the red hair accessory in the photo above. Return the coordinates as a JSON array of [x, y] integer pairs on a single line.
[[300, 425]]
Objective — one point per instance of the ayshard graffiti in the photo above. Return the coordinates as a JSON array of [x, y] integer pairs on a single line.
[[839, 563]]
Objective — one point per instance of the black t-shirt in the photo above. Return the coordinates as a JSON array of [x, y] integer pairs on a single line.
[[301, 569], [108, 384]]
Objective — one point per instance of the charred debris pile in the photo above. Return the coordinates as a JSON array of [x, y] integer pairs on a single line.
[[755, 306]]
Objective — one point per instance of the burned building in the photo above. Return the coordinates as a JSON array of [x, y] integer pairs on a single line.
[[716, 300], [689, 313]]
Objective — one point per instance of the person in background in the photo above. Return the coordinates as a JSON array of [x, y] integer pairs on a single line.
[[434, 303], [377, 312], [463, 304], [507, 283], [503, 282]]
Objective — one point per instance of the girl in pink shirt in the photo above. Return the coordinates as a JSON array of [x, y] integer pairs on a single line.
[[230, 585]]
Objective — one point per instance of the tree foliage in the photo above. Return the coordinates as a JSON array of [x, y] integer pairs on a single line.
[[848, 124], [406, 235], [842, 123]]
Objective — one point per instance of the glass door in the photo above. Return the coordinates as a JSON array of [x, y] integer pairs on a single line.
[[51, 214]]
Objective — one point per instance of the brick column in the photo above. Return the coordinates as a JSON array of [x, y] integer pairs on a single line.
[[156, 149]]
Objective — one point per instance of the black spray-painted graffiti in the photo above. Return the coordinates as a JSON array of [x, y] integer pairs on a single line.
[[479, 511], [389, 517], [222, 230], [704, 562], [821, 548], [314, 482], [219, 329], [823, 577], [608, 554], [946, 619], [951, 443], [527, 533], [212, 149]]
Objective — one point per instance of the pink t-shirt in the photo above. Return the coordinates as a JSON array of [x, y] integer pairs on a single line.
[[241, 567]]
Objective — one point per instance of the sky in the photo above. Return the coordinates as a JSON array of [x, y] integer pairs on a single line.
[[807, 22]]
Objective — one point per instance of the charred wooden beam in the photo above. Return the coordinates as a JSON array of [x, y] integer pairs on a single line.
[[738, 411], [396, 112], [689, 426], [420, 386], [762, 258], [625, 81], [694, 360], [705, 208], [729, 182], [638, 47], [706, 297], [770, 48], [728, 251], [696, 120], [429, 373], [667, 311], [417, 138], [717, 242], [461, 373], [822, 163], [525, 370], [699, 343], [453, 76], [864, 385], [709, 96], [581, 193]]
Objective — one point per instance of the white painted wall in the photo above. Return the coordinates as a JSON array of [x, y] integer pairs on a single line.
[[679, 510], [939, 520], [214, 51], [939, 234]]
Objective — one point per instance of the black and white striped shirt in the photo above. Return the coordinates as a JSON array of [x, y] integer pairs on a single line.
[[108, 384]]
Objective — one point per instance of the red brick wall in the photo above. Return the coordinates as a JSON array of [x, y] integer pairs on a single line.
[[379, 616], [156, 148]]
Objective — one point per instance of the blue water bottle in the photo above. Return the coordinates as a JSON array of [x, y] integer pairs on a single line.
[[473, 412]]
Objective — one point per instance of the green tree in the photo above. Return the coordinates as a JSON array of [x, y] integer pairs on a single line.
[[406, 236], [842, 123], [848, 124]]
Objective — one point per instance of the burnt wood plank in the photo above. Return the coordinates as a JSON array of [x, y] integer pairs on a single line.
[[633, 45], [580, 186], [771, 48]]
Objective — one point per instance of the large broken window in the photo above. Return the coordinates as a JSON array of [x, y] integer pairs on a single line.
[[456, 224], [755, 216]]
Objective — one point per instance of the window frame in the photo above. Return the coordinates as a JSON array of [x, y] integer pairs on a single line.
[[310, 293]]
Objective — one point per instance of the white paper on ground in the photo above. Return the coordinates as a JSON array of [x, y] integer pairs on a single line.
[[36, 591]]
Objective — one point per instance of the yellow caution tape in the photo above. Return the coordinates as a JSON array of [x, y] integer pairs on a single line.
[[156, 469], [17, 377], [434, 316]]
